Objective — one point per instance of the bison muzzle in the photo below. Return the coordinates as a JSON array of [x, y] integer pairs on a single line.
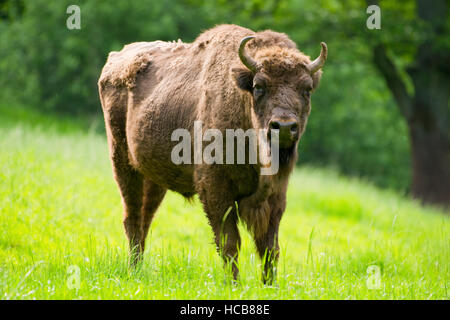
[[230, 77]]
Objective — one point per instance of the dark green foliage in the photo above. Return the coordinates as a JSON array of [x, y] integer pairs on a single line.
[[48, 66]]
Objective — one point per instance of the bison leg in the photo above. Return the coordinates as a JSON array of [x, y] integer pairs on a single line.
[[268, 250], [221, 212], [130, 184], [228, 240], [153, 195], [267, 243]]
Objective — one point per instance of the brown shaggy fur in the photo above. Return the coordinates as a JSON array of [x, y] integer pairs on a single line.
[[149, 89]]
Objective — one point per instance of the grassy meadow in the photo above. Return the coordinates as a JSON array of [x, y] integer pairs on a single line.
[[60, 208]]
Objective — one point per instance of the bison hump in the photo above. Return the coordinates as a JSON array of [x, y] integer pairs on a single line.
[[123, 66]]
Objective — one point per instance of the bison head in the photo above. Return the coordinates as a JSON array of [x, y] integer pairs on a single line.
[[280, 80]]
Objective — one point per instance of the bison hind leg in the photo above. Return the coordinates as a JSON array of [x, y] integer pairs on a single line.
[[131, 188], [141, 198], [153, 196]]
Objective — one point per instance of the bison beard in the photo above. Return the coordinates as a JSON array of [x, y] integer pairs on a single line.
[[286, 154], [229, 78]]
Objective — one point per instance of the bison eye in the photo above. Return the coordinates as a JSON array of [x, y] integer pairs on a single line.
[[258, 91], [306, 93]]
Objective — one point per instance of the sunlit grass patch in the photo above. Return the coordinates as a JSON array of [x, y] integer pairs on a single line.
[[60, 207]]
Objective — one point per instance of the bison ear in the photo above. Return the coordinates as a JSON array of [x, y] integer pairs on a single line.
[[243, 78]]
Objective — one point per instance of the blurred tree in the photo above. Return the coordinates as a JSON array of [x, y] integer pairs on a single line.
[[10, 9], [426, 109], [44, 64]]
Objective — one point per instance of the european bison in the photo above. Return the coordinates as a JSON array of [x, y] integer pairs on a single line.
[[230, 77]]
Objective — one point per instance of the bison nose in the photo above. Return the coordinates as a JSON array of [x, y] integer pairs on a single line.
[[288, 131], [285, 127]]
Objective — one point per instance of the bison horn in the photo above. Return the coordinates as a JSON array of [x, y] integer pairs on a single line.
[[245, 58], [320, 61]]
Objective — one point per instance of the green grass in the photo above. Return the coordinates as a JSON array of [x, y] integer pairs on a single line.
[[60, 207]]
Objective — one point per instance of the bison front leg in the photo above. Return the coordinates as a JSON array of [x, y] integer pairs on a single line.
[[267, 242], [228, 240], [221, 212], [268, 250]]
